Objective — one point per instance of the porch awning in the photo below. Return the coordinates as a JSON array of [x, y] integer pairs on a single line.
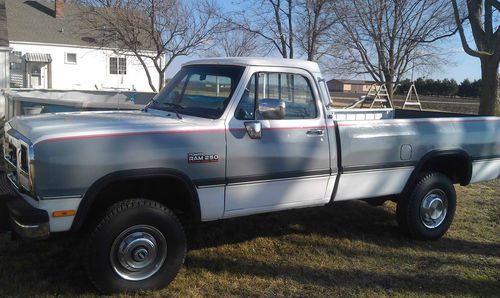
[[38, 57]]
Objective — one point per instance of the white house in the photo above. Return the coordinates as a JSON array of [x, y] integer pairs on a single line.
[[51, 49]]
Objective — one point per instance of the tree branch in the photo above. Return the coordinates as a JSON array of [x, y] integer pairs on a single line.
[[465, 44]]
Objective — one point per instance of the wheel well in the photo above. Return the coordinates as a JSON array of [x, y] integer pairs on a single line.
[[454, 166], [171, 191]]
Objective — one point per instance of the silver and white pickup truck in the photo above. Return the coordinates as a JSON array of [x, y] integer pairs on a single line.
[[225, 138]]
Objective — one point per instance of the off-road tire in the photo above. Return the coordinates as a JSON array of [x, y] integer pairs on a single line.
[[409, 216], [120, 217]]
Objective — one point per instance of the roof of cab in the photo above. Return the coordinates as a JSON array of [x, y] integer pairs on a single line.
[[259, 61]]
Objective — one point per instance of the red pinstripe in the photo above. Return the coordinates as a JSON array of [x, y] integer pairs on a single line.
[[395, 121]]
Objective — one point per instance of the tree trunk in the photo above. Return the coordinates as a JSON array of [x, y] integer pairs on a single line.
[[161, 79], [490, 102], [146, 69], [389, 85], [290, 33]]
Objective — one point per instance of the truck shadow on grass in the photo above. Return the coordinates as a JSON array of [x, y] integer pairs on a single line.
[[354, 220], [422, 283], [41, 268]]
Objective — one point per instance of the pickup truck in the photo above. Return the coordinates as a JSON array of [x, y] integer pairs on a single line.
[[228, 137]]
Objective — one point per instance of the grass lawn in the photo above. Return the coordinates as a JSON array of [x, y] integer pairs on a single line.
[[348, 248]]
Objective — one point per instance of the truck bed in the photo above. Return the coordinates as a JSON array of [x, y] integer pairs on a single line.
[[383, 152], [411, 114], [378, 114]]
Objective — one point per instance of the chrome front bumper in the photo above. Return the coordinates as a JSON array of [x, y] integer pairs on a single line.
[[19, 216]]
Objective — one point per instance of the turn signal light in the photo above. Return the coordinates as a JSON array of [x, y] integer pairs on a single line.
[[63, 213]]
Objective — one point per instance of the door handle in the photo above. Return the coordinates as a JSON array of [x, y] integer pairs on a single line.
[[316, 132]]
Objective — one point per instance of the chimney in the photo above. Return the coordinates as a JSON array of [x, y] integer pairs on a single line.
[[59, 9]]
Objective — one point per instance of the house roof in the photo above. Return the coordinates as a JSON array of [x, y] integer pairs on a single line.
[[34, 21], [352, 82], [4, 35]]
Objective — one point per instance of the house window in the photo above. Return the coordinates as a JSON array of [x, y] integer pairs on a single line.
[[16, 61], [70, 58], [117, 65]]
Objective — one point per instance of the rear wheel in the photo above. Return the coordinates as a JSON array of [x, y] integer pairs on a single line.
[[138, 245], [427, 211]]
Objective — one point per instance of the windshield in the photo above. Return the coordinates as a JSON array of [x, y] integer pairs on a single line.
[[201, 91]]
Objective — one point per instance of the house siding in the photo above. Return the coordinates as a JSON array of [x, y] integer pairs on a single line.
[[90, 72], [349, 86]]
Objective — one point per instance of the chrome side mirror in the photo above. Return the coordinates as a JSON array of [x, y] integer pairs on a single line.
[[254, 129], [270, 108]]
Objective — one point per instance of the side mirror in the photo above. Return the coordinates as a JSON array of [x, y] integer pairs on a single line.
[[254, 129], [270, 108]]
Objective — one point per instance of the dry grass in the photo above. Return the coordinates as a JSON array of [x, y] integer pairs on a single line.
[[345, 249]]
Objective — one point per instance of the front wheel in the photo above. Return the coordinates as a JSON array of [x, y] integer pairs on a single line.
[[138, 245], [427, 211]]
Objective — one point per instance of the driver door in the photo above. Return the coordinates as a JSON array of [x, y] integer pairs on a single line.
[[289, 165]]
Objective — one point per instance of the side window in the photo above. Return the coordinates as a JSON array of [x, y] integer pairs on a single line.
[[298, 97], [293, 89]]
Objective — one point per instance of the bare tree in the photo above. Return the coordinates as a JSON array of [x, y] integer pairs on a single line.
[[233, 42], [316, 19], [270, 20], [154, 31], [487, 40], [384, 39]]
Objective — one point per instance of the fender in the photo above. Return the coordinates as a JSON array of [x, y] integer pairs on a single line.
[[94, 190], [436, 154]]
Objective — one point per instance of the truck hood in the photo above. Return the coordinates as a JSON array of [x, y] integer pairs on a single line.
[[47, 126]]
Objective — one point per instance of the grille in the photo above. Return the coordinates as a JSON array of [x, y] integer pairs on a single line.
[[11, 155]]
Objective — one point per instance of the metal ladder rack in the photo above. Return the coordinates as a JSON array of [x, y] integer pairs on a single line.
[[412, 102]]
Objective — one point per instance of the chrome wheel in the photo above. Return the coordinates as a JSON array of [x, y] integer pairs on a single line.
[[138, 252], [433, 208]]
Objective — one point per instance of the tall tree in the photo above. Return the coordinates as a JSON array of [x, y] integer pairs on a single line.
[[384, 39], [315, 23], [487, 39], [270, 20], [154, 31]]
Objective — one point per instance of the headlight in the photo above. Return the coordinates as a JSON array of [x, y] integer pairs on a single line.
[[19, 153], [24, 159], [31, 182], [27, 166]]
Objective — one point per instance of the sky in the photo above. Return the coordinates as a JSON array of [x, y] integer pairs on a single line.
[[458, 66]]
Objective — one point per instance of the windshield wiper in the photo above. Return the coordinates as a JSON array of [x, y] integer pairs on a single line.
[[153, 100], [175, 107]]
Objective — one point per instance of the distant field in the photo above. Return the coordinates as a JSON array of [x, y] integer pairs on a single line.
[[347, 249]]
